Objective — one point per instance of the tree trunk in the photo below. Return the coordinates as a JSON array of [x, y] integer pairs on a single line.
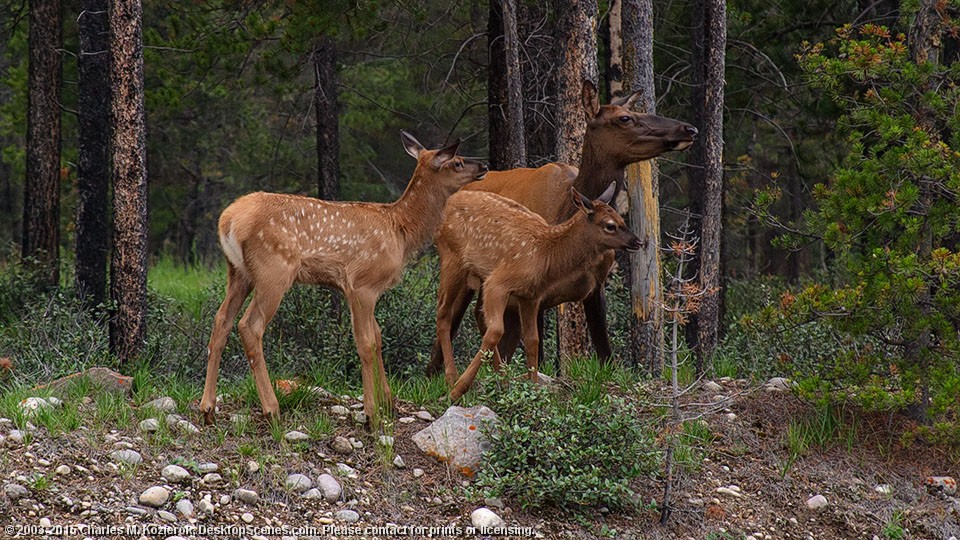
[[708, 63], [505, 86], [577, 62], [536, 24], [41, 206], [93, 111], [643, 190], [128, 268], [9, 222], [328, 123]]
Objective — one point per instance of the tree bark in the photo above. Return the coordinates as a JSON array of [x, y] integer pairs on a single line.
[[577, 62], [93, 111], [643, 190], [128, 268], [505, 87], [41, 206], [9, 221], [328, 123], [708, 64]]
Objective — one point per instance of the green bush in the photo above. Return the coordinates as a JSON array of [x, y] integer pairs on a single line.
[[551, 449]]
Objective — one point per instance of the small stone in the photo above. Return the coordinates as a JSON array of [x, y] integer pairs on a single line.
[[175, 474], [946, 484], [253, 467], [341, 445], [298, 482], [247, 517], [312, 493], [225, 500], [30, 406], [296, 436], [712, 387], [155, 496], [817, 502], [417, 473], [46, 523], [205, 507], [44, 462], [778, 384], [719, 398], [246, 495], [495, 502], [63, 470], [16, 436], [406, 420], [348, 516], [346, 470], [357, 443], [162, 404], [187, 428], [329, 487], [884, 489], [359, 417], [150, 425], [385, 440], [398, 462], [135, 510], [204, 468], [424, 415], [129, 457], [185, 507], [166, 516], [212, 478], [339, 410], [729, 491], [172, 419], [731, 416], [484, 518]]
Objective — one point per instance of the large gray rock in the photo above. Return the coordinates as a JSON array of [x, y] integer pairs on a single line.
[[329, 487], [298, 482], [161, 404], [129, 457], [99, 378], [155, 496], [483, 518], [456, 437]]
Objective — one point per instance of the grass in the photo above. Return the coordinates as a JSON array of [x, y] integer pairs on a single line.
[[823, 427], [187, 285]]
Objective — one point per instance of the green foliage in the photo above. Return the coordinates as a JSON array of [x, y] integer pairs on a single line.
[[553, 449]]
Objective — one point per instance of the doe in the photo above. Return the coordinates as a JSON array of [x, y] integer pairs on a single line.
[[272, 241], [522, 263]]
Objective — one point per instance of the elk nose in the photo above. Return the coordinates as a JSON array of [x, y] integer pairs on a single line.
[[692, 131]]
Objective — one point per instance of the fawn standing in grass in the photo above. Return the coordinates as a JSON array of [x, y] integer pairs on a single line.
[[272, 241], [521, 262]]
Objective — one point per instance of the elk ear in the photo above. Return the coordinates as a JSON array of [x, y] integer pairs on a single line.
[[411, 144], [590, 99], [608, 193], [446, 153], [627, 102], [581, 202]]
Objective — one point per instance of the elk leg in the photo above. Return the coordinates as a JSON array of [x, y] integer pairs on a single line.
[[366, 334], [511, 334], [238, 288], [494, 304], [595, 310], [531, 337], [453, 297], [266, 300], [458, 310]]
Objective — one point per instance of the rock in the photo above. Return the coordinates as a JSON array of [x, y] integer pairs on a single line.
[[357, 443], [730, 490], [128, 457], [359, 417], [173, 419], [166, 516], [329, 487], [456, 437], [406, 419], [15, 491], [817, 502], [778, 384], [544, 379], [731, 416], [484, 518], [348, 516], [495, 502], [205, 507], [339, 410], [31, 406], [312, 493], [253, 467], [63, 470], [884, 489], [185, 507], [155, 496], [246, 495], [247, 517], [385, 440], [346, 470], [712, 387], [341, 445], [296, 436], [298, 482], [424, 415], [135, 510], [99, 379], [150, 425], [175, 474], [46, 523], [187, 428], [945, 484], [16, 436], [225, 500], [210, 479], [204, 468], [162, 404], [398, 462], [417, 473]]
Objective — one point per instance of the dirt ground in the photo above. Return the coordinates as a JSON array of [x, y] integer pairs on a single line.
[[765, 497]]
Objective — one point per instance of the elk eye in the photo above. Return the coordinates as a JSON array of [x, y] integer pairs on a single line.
[[610, 227], [625, 119], [459, 164]]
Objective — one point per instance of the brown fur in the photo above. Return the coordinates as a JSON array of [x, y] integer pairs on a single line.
[[522, 262], [272, 241], [610, 144]]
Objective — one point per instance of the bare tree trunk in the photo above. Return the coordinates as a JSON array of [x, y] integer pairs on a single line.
[[536, 24], [505, 86], [41, 200], [577, 55], [643, 190], [710, 38], [128, 268], [9, 221], [328, 123], [93, 111]]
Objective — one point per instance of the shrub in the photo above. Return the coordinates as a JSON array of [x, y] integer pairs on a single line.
[[551, 449]]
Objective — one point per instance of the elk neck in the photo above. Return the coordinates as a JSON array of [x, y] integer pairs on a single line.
[[569, 245], [417, 213], [597, 168]]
